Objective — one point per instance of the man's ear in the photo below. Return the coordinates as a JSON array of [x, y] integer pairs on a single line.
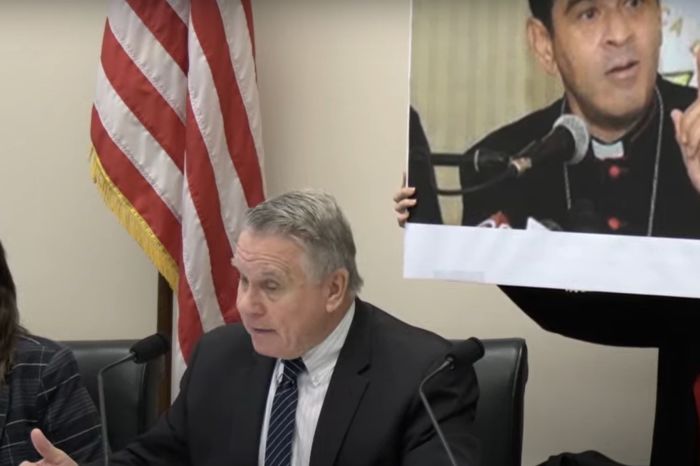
[[336, 289], [540, 41]]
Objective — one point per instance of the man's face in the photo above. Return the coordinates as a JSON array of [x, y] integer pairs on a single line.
[[607, 53], [283, 308]]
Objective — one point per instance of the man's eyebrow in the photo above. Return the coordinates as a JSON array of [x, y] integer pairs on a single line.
[[273, 273], [571, 4], [265, 273]]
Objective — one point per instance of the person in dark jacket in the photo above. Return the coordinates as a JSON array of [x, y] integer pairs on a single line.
[[312, 375], [39, 387]]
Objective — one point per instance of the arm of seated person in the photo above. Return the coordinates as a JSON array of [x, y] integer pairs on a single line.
[[68, 416], [163, 445]]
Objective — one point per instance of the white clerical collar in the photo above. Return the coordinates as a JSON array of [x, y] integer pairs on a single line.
[[616, 149], [603, 151]]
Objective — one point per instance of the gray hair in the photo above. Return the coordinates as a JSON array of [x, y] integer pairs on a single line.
[[314, 219]]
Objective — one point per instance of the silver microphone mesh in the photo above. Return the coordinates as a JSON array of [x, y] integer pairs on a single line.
[[579, 131]]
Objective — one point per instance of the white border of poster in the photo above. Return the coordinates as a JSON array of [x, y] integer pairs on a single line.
[[628, 264], [563, 260]]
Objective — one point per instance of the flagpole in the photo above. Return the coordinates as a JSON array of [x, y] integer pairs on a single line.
[[165, 325]]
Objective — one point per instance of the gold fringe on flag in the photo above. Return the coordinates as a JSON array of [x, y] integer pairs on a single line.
[[132, 221]]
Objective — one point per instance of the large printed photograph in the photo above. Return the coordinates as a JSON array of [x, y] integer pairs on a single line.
[[556, 144]]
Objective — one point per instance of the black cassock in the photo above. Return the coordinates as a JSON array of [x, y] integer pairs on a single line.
[[618, 188]]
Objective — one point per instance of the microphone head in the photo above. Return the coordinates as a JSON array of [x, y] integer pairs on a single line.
[[467, 352], [150, 348], [579, 132]]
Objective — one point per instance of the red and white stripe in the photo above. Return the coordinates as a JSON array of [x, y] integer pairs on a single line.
[[176, 129]]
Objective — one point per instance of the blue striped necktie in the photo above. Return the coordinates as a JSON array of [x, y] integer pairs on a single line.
[[280, 431]]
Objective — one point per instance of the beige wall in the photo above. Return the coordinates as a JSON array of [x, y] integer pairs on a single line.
[[333, 79], [79, 274]]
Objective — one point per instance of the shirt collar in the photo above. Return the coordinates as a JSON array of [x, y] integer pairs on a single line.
[[321, 359], [616, 149]]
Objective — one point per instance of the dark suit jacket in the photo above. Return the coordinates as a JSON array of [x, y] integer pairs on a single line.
[[371, 415]]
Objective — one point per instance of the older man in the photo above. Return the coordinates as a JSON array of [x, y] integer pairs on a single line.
[[313, 375]]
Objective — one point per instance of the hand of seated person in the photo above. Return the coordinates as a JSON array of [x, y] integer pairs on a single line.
[[51, 455]]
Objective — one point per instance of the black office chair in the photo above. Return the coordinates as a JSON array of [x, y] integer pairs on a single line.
[[502, 374], [131, 390]]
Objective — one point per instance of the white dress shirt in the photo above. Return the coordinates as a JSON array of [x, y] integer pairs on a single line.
[[312, 387]]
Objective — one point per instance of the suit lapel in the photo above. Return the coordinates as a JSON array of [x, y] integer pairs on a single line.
[[347, 386], [249, 409]]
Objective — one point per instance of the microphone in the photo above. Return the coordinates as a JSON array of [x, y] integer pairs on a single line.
[[464, 353], [480, 160], [140, 352], [149, 348], [421, 175], [567, 142]]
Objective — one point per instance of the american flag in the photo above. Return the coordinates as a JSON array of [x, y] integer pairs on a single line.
[[177, 145]]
